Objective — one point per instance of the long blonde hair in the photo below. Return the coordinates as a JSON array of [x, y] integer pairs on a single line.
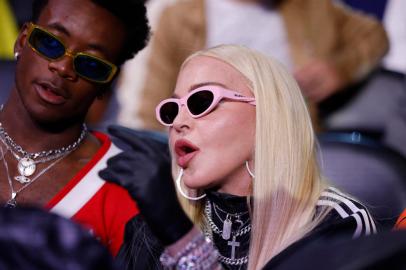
[[287, 180]]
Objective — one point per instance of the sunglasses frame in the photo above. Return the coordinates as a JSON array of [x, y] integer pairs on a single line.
[[32, 27], [218, 92]]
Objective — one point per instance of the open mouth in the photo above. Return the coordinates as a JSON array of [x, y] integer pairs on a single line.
[[50, 94], [185, 151]]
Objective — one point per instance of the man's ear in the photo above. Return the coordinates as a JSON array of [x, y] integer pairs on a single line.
[[21, 39]]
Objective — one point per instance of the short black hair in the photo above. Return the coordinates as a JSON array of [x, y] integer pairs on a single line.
[[133, 15]]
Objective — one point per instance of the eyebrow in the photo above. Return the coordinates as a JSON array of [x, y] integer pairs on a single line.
[[60, 28], [195, 86], [198, 85]]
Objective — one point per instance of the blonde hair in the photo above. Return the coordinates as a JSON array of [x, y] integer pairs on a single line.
[[287, 180]]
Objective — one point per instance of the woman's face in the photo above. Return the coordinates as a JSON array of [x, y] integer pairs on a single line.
[[213, 149]]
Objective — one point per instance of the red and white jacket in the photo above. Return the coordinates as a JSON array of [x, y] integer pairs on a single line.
[[103, 208]]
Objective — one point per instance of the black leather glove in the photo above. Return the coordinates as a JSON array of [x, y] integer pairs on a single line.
[[144, 169]]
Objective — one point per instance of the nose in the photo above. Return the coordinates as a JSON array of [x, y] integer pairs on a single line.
[[64, 67], [183, 121]]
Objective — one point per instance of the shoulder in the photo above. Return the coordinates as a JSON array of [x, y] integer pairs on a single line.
[[346, 212], [117, 201]]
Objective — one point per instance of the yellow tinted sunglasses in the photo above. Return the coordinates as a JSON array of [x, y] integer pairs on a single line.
[[88, 66]]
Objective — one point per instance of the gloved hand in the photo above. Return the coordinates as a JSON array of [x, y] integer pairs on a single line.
[[144, 169]]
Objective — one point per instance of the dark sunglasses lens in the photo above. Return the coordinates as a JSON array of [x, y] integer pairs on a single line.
[[46, 44], [200, 101], [92, 68], [168, 112]]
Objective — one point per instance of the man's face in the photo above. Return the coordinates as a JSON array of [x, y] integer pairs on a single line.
[[51, 91]]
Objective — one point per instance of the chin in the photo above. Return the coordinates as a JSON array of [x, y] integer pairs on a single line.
[[47, 118], [196, 182], [53, 121], [191, 183]]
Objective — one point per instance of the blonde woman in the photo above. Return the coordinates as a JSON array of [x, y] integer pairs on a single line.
[[244, 159]]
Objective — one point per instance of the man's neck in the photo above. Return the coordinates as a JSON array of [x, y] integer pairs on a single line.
[[32, 136]]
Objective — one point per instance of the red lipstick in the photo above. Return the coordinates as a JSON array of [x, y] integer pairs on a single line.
[[185, 151]]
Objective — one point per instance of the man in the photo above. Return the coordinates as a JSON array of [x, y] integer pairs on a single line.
[[66, 57]]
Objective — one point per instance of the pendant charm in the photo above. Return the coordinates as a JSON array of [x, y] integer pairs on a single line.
[[239, 221], [12, 203], [22, 179], [226, 228], [234, 244], [26, 166]]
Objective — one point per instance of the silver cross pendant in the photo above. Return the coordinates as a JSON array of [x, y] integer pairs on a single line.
[[233, 245]]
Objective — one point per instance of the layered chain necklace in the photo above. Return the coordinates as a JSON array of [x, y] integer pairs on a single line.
[[12, 202], [27, 162], [226, 232]]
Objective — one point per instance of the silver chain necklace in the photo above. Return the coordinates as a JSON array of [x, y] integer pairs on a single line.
[[217, 230], [12, 202], [27, 161], [227, 222], [26, 169], [18, 149], [233, 243]]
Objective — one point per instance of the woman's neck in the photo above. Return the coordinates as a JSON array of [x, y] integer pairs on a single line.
[[229, 202], [237, 183]]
